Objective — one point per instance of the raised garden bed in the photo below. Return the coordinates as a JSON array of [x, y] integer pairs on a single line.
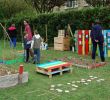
[[12, 60], [83, 63], [10, 77]]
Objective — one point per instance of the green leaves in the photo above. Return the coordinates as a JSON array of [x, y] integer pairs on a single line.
[[98, 3], [81, 19]]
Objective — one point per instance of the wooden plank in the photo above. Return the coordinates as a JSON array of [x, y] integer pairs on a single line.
[[49, 63], [80, 42], [86, 42], [59, 46], [61, 33], [83, 42], [108, 42], [50, 72], [62, 40], [57, 66]]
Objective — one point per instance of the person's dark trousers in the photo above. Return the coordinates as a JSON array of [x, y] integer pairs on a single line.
[[13, 42], [27, 55], [100, 49], [37, 55]]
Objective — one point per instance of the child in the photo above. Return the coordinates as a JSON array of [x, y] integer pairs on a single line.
[[35, 45], [27, 45]]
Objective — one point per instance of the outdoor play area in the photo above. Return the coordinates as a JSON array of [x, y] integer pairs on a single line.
[[85, 84], [47, 55], [76, 78]]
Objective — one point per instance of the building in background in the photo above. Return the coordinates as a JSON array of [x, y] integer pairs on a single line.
[[72, 4]]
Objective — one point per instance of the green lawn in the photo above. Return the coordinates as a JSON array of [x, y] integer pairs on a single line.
[[38, 87]]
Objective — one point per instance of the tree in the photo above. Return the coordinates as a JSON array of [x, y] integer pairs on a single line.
[[43, 6], [98, 3], [9, 8]]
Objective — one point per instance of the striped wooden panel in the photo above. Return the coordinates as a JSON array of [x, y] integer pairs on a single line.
[[53, 64], [108, 42]]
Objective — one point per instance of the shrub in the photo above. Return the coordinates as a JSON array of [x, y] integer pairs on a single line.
[[80, 19]]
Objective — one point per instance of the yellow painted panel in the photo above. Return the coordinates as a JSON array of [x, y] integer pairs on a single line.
[[108, 53]]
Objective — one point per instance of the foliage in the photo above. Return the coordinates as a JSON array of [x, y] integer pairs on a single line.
[[98, 3], [81, 19], [9, 8], [43, 6]]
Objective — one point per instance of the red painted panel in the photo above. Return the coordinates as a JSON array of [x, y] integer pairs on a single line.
[[80, 42], [86, 42]]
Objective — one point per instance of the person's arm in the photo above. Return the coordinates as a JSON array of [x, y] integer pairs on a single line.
[[32, 43], [92, 35]]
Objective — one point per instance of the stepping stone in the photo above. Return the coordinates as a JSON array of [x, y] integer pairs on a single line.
[[52, 85], [91, 76], [68, 83], [59, 84], [83, 81], [52, 89], [89, 80], [98, 80], [78, 81], [67, 91], [95, 77], [59, 90], [86, 83], [74, 85], [73, 89], [102, 79], [73, 81]]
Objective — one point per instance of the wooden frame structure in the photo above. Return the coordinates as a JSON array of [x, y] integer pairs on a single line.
[[54, 67]]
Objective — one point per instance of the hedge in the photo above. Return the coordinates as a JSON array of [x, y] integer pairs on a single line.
[[81, 19]]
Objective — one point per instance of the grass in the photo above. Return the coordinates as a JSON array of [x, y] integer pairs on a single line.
[[38, 86]]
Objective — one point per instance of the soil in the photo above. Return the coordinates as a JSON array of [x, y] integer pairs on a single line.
[[5, 70], [8, 58]]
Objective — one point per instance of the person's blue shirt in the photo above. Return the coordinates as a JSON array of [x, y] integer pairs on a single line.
[[96, 33], [27, 44]]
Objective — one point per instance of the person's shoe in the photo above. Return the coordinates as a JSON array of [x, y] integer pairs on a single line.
[[34, 62], [93, 61], [26, 61], [103, 63]]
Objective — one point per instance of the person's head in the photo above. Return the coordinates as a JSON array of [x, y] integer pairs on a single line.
[[92, 24], [35, 32], [13, 24], [97, 21], [25, 22]]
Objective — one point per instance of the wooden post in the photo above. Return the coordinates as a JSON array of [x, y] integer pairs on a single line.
[[69, 29], [5, 32], [21, 35], [61, 70], [50, 75], [46, 33], [20, 76], [71, 70]]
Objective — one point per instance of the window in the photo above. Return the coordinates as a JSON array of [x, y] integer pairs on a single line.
[[71, 3]]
